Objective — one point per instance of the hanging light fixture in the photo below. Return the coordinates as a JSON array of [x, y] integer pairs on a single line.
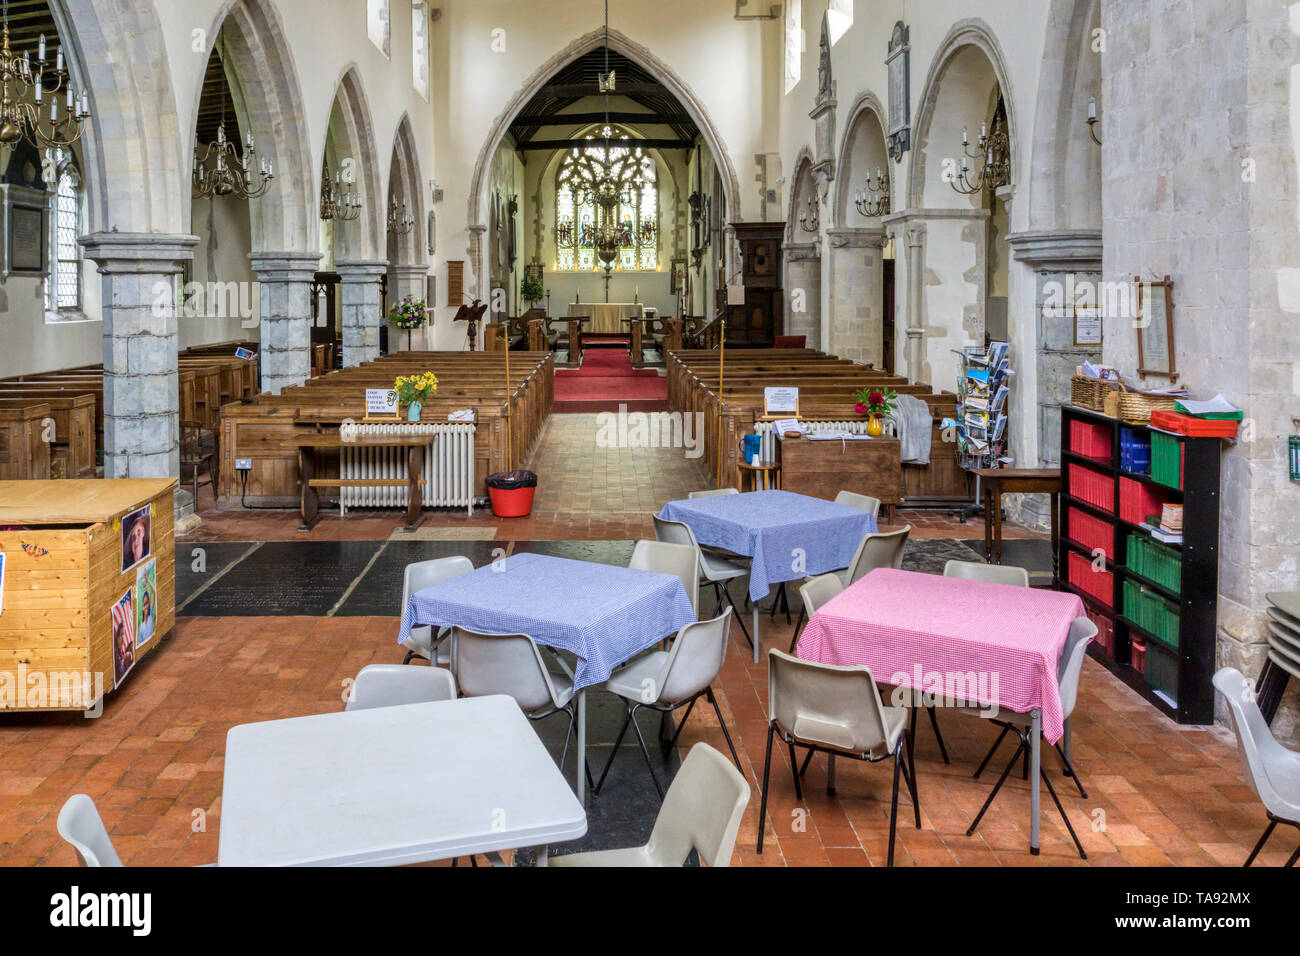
[[336, 203], [45, 128], [873, 198], [220, 170], [399, 223], [810, 219], [607, 188], [992, 157]]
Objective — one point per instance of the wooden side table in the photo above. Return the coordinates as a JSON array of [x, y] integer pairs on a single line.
[[996, 482], [769, 470]]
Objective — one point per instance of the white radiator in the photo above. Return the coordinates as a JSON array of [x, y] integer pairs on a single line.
[[448, 476], [857, 426]]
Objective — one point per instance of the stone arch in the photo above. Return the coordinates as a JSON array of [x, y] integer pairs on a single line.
[[965, 76], [863, 149], [802, 187], [350, 148], [405, 183], [133, 124], [476, 213], [269, 103]]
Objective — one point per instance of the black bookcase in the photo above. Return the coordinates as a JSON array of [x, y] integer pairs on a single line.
[[1184, 691]]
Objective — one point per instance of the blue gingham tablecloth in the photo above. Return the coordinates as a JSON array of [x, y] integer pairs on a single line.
[[602, 614], [789, 536]]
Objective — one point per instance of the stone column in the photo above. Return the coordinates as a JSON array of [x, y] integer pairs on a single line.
[[141, 401], [284, 353], [361, 318], [915, 290], [803, 291], [856, 295], [403, 281]]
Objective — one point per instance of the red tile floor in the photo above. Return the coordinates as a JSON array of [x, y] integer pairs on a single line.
[[1159, 794]]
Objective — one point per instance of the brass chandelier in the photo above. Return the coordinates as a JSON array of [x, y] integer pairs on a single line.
[[336, 203], [229, 174], [399, 223], [44, 128], [992, 156], [873, 198]]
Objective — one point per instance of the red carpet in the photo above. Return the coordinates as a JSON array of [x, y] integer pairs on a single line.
[[607, 380]]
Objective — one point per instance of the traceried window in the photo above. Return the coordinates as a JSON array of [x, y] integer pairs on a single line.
[[63, 287], [377, 24], [793, 43], [420, 47], [576, 215], [839, 17]]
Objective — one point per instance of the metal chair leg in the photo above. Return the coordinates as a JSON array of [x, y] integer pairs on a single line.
[[806, 761], [1057, 800], [934, 722], [1006, 728], [1294, 856], [970, 831], [794, 771], [725, 733], [767, 771], [912, 782], [798, 629], [1268, 832], [738, 617], [893, 803], [613, 753], [682, 723], [645, 752], [1071, 772], [407, 658]]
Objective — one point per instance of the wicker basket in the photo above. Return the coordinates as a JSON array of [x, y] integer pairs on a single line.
[[1090, 393], [1135, 408]]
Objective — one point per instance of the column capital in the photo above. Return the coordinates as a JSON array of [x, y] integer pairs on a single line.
[[361, 270], [285, 266], [138, 252], [409, 273], [857, 238]]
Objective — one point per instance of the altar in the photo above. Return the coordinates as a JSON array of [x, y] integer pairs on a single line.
[[605, 318]]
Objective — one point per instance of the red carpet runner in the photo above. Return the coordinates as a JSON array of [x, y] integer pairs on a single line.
[[607, 380]]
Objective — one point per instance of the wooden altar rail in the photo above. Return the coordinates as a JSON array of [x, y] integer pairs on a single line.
[[826, 388], [264, 429]]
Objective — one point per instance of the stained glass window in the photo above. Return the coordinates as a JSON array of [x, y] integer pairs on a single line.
[[63, 287], [576, 215]]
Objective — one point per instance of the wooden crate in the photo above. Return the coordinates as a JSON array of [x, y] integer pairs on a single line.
[[63, 574], [822, 469]]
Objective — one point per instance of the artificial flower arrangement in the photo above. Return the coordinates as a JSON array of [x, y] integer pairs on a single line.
[[408, 314], [416, 389]]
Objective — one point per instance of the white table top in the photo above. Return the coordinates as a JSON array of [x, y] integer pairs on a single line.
[[390, 786]]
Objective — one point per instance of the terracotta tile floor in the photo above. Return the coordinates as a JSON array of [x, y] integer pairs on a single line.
[[1158, 794]]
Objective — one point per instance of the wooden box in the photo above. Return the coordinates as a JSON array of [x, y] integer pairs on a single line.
[[63, 557], [822, 469], [24, 449]]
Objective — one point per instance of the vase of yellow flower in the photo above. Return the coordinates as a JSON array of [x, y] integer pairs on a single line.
[[413, 391]]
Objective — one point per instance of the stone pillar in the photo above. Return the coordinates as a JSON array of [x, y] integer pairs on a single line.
[[284, 353], [141, 401], [803, 291], [915, 290], [361, 318], [856, 295], [404, 281]]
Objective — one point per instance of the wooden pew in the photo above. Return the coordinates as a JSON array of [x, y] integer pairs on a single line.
[[24, 447], [74, 426]]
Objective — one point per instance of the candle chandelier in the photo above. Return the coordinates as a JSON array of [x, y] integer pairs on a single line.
[[51, 127], [992, 158], [873, 198], [810, 219], [336, 203], [219, 170], [399, 222]]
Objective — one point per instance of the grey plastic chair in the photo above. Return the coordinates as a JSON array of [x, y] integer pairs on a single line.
[[855, 500], [815, 592], [512, 664], [1272, 771], [421, 575], [701, 812], [79, 824], [391, 685], [667, 680], [715, 570], [668, 558], [714, 491], [1068, 670], [877, 549], [837, 711], [993, 573]]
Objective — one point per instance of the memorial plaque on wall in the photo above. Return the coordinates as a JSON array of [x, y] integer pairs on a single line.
[[25, 217], [455, 283], [898, 61]]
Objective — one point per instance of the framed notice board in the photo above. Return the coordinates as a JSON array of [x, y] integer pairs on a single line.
[[25, 221]]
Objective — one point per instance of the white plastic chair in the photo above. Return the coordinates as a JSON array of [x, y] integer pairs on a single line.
[[993, 573], [712, 492], [666, 680], [715, 570], [79, 824], [1272, 771], [815, 592], [855, 500], [1068, 670], [669, 558], [701, 811], [877, 549], [391, 685], [421, 575]]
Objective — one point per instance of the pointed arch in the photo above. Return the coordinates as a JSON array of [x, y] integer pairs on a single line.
[[405, 184], [863, 149], [802, 186], [350, 148]]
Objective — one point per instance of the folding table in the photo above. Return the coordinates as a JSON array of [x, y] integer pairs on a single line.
[[392, 785], [601, 614], [989, 644], [788, 536]]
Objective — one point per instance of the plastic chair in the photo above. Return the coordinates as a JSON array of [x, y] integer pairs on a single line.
[[712, 492], [993, 573], [670, 679], [701, 812], [670, 558], [715, 570], [837, 711], [391, 685], [877, 549], [512, 664], [421, 575], [855, 500], [1272, 771], [1068, 670], [815, 592], [79, 824]]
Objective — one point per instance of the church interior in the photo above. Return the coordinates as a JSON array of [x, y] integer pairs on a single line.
[[715, 433]]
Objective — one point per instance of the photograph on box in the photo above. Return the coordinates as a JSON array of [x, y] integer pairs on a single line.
[[136, 541], [146, 602], [123, 636]]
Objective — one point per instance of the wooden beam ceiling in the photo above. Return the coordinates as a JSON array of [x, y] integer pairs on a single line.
[[566, 144]]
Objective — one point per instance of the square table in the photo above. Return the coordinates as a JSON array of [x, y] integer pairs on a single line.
[[603, 615], [788, 536], [990, 644], [392, 785]]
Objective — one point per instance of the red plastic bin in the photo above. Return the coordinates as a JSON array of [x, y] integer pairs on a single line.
[[1137, 499], [1105, 631], [1099, 584], [1090, 438], [1138, 656], [1092, 533], [1093, 487]]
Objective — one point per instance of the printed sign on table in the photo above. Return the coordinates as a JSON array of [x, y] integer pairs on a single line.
[[381, 401]]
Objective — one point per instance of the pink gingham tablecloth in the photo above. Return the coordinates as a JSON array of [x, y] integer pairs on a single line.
[[896, 622]]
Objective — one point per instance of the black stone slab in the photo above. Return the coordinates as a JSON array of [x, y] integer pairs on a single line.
[[1033, 554], [198, 562], [379, 592], [304, 578], [617, 553], [929, 555]]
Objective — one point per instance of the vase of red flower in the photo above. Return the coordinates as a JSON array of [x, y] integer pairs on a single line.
[[876, 403]]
